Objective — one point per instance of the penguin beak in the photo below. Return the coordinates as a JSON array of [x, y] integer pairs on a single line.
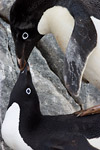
[[21, 63], [23, 51], [26, 68]]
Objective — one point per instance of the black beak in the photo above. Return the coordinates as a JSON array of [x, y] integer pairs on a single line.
[[26, 73], [26, 68], [21, 63]]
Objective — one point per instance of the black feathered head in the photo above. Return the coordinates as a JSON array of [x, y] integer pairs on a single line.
[[24, 18]]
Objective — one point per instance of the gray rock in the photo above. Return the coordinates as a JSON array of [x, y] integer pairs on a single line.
[[53, 96], [90, 95], [5, 6], [7, 76], [53, 54]]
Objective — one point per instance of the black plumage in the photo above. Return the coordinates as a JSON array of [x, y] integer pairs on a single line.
[[24, 18], [44, 132]]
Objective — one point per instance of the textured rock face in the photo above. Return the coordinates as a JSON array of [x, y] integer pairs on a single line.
[[46, 64], [5, 6]]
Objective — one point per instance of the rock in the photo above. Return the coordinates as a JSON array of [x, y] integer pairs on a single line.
[[5, 6], [90, 95], [7, 75], [53, 96], [53, 54]]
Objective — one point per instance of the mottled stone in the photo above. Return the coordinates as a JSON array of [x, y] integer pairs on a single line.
[[90, 95], [53, 54], [53, 96], [5, 6], [7, 75]]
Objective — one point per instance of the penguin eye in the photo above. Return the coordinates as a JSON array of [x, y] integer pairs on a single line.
[[22, 72], [28, 91], [25, 36]]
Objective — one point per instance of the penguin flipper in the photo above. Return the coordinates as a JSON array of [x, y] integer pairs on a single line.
[[69, 141], [81, 44]]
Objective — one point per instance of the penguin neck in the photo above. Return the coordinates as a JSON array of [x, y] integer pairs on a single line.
[[22, 117], [58, 21], [29, 117], [30, 114], [42, 5]]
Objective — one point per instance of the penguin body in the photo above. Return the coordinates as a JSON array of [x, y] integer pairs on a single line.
[[73, 28], [25, 128], [62, 30], [52, 22]]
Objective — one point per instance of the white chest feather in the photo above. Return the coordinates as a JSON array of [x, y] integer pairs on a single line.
[[92, 71], [95, 142], [57, 20], [10, 129]]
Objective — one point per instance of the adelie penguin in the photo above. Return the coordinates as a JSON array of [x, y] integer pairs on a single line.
[[25, 128], [75, 25]]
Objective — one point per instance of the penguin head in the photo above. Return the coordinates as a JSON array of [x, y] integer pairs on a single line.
[[24, 93], [24, 17]]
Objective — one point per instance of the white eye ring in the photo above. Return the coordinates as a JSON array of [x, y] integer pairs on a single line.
[[25, 35], [22, 71], [28, 91]]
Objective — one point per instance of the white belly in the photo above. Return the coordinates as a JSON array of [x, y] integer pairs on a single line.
[[95, 142], [10, 129], [57, 20], [92, 70]]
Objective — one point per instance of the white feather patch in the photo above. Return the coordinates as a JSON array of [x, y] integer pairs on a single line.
[[10, 129], [95, 142], [92, 70], [58, 21]]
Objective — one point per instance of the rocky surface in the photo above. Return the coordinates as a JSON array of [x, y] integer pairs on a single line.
[[46, 64], [5, 6]]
